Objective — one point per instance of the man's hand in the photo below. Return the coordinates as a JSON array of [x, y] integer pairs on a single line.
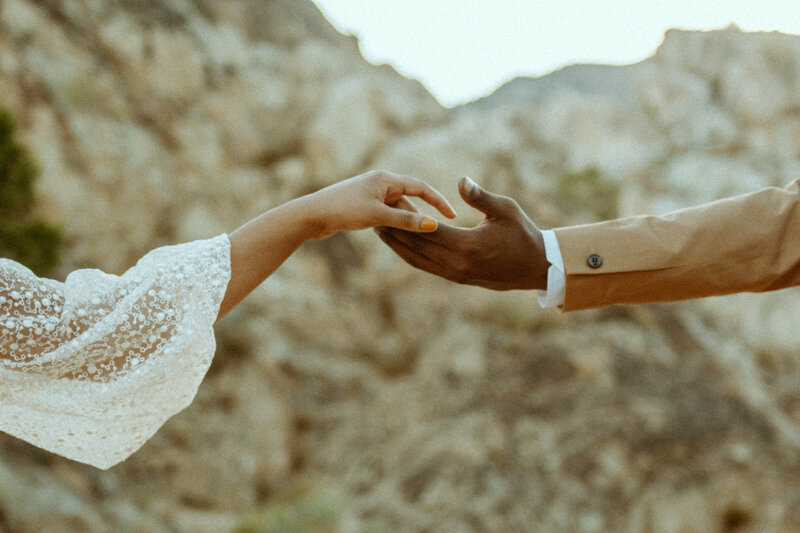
[[505, 251]]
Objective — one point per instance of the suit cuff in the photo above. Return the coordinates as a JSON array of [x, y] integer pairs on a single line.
[[556, 280]]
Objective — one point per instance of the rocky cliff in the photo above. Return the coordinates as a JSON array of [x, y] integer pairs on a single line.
[[350, 393]]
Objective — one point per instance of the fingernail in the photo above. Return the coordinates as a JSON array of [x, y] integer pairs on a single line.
[[428, 224], [468, 185]]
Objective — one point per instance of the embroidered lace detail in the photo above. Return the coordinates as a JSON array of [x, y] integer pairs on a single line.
[[92, 367]]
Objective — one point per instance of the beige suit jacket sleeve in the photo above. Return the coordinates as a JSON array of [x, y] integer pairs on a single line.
[[746, 243]]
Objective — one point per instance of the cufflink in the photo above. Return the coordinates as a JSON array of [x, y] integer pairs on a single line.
[[594, 261]]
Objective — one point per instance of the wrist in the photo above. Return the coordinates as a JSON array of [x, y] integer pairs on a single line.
[[540, 264], [309, 215]]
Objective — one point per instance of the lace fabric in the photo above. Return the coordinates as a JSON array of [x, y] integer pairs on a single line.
[[92, 367]]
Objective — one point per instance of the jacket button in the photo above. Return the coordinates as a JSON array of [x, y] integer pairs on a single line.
[[594, 261]]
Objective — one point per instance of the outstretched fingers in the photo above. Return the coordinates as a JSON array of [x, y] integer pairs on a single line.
[[408, 254], [407, 186], [404, 203], [422, 243]]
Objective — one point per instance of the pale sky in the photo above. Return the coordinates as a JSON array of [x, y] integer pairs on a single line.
[[464, 49]]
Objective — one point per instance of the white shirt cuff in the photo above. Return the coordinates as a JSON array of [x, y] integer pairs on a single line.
[[556, 280]]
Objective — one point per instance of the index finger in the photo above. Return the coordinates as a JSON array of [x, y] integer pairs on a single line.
[[406, 186]]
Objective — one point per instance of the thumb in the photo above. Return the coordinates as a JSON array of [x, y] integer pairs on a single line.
[[492, 205], [407, 220]]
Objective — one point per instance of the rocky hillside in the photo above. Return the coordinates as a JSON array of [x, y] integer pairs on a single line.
[[351, 393]]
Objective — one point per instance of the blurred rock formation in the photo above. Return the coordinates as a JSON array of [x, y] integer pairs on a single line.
[[351, 393]]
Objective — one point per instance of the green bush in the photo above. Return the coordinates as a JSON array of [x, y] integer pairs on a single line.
[[306, 508], [591, 191], [23, 238], [308, 511]]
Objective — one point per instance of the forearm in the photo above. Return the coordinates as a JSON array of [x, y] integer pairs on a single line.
[[376, 198], [260, 246], [747, 243]]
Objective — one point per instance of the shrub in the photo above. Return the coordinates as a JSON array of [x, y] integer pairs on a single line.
[[590, 191], [23, 237]]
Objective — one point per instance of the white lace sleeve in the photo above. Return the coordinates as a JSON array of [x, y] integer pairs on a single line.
[[92, 367]]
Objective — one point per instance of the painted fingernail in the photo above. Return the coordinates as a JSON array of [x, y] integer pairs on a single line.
[[428, 224], [468, 185]]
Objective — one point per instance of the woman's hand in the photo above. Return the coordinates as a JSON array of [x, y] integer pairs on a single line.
[[376, 198]]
